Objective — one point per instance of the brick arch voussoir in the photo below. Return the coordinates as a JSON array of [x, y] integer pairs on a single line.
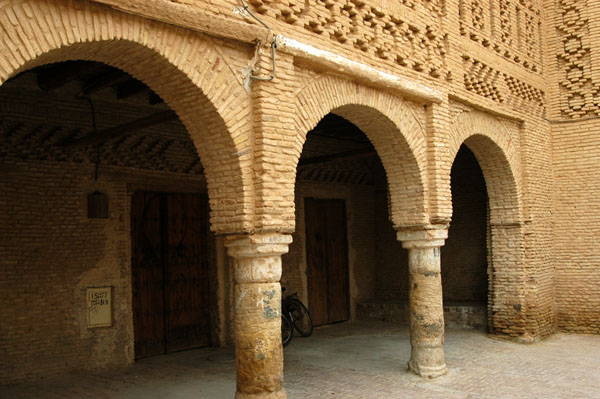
[[173, 62], [499, 160], [387, 121]]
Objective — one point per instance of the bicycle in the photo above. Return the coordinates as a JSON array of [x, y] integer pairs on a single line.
[[294, 316]]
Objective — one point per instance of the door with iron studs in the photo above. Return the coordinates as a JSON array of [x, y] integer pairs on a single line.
[[169, 263]]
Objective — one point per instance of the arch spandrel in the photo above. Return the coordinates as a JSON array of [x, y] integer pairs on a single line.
[[183, 68], [499, 159], [393, 127]]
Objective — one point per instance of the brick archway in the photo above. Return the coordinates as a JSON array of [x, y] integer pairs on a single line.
[[180, 66], [498, 156], [395, 127]]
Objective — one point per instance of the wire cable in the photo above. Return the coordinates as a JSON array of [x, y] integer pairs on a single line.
[[273, 45]]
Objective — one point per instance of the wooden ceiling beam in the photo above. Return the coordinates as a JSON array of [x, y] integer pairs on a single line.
[[121, 130]]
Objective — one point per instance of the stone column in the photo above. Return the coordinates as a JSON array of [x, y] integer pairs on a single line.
[[425, 301], [258, 349]]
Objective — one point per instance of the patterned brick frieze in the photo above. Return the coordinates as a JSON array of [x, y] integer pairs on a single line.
[[524, 91], [418, 44], [579, 89], [483, 79], [501, 87], [511, 28]]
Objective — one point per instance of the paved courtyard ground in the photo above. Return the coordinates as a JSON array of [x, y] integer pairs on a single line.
[[356, 360]]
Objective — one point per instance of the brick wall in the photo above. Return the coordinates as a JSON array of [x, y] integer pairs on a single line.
[[51, 252], [576, 232]]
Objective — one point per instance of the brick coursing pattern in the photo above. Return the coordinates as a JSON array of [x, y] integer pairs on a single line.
[[43, 285], [33, 128], [576, 230]]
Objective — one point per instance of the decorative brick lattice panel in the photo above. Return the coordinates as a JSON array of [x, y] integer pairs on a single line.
[[482, 79], [500, 87], [524, 91], [512, 28], [580, 93], [420, 45]]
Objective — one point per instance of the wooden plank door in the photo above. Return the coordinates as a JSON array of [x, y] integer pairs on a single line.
[[186, 288], [337, 270], [169, 272], [327, 260], [147, 274]]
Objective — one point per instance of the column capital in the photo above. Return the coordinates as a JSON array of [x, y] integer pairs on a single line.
[[422, 238], [257, 256], [257, 245]]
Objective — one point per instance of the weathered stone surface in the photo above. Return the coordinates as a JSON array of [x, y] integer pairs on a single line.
[[426, 309], [257, 307]]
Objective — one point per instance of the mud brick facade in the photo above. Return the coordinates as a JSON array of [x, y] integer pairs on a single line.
[[458, 136]]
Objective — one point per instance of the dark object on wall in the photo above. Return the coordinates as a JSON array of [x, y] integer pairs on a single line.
[[97, 205]]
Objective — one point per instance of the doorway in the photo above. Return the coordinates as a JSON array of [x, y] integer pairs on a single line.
[[169, 263], [327, 260]]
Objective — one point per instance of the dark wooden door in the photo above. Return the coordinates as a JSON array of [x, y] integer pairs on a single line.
[[147, 274], [186, 285], [170, 303], [327, 260]]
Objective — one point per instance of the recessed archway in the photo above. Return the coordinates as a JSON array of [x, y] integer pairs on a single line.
[[496, 153], [465, 253], [394, 126], [181, 68], [364, 150], [79, 139]]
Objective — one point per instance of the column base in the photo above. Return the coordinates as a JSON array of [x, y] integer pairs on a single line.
[[427, 371], [427, 362], [262, 395]]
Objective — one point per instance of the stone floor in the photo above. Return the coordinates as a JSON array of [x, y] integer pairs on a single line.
[[356, 360]]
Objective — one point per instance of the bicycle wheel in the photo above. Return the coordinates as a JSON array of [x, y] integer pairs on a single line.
[[302, 320], [287, 331]]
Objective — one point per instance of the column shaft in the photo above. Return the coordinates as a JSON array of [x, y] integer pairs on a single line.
[[425, 301], [258, 349]]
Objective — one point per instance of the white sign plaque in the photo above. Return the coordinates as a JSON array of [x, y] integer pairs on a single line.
[[99, 304]]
